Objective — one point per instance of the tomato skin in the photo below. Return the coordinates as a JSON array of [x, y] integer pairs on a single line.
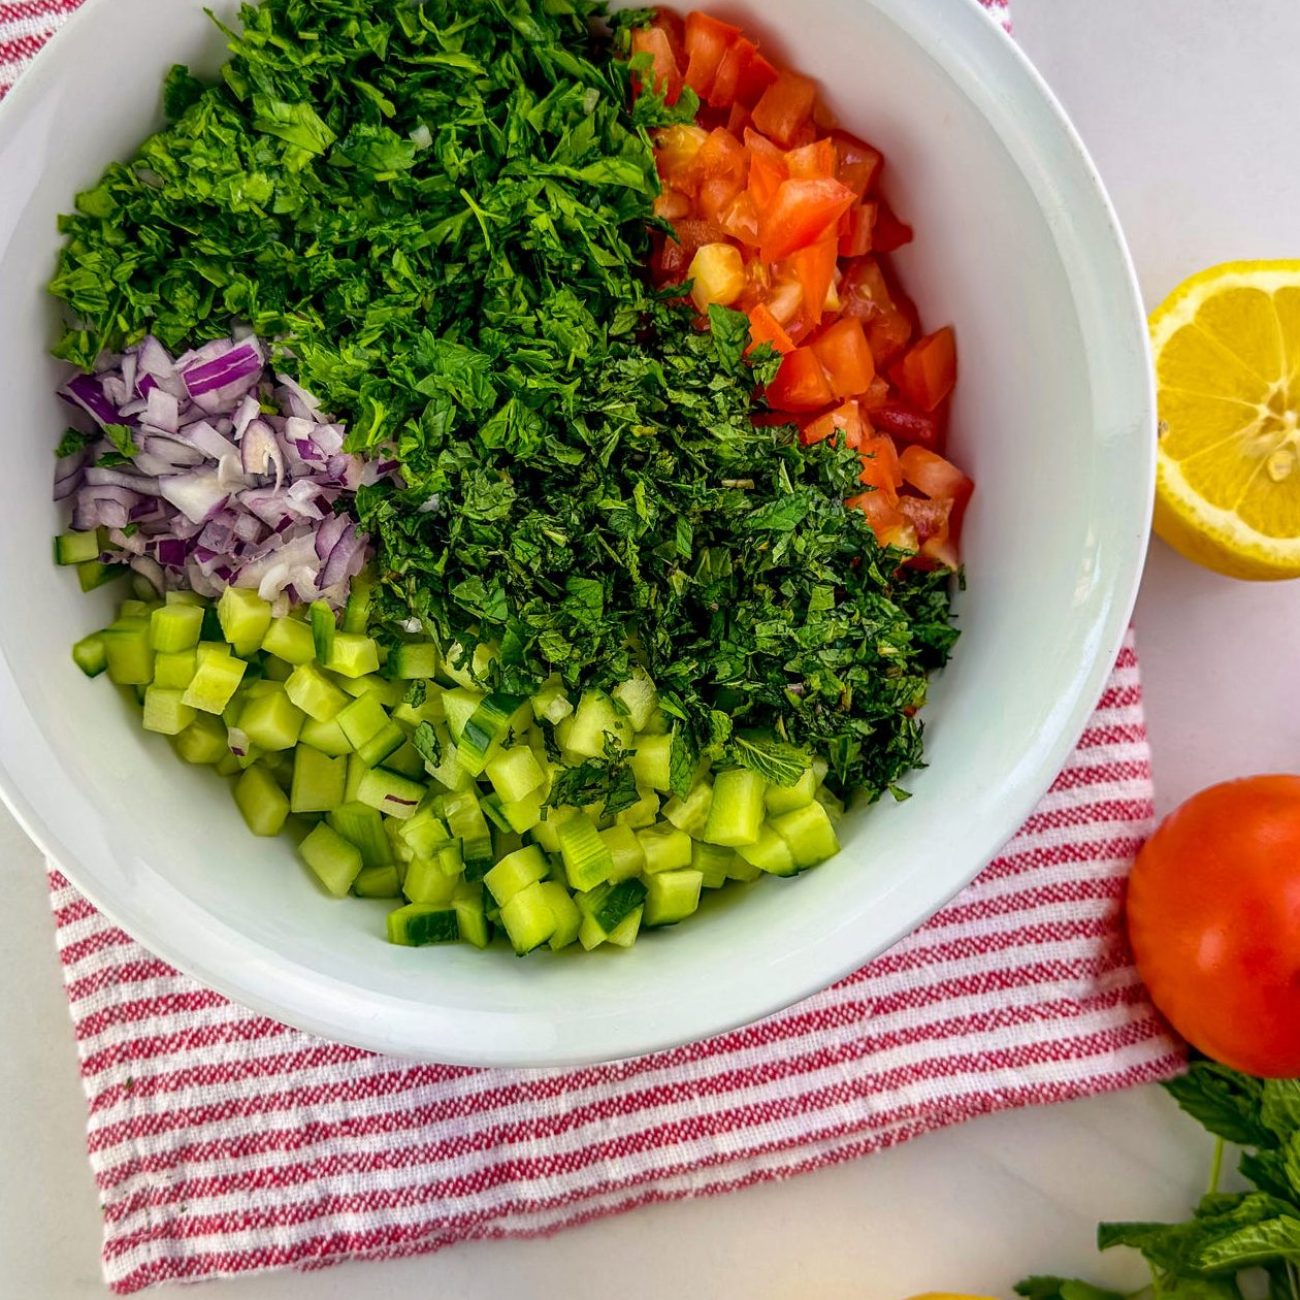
[[845, 420], [842, 349], [927, 374], [756, 76], [765, 328], [1214, 920], [800, 385], [857, 163], [857, 226], [880, 468], [799, 214], [907, 423], [666, 75], [786, 108], [813, 162], [890, 232], [707, 42]]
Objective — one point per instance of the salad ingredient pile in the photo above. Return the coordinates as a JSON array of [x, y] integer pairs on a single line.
[[622, 638]]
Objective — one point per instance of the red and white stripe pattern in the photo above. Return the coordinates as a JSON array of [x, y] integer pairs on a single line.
[[225, 1143]]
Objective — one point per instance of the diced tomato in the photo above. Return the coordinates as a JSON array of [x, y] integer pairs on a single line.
[[858, 164], [814, 162], [845, 420], [889, 524], [880, 467], [665, 74], [672, 258], [936, 478], [675, 150], [866, 294], [905, 422], [785, 298], [672, 25], [890, 232], [876, 394], [856, 228], [740, 219], [930, 518], [800, 214], [800, 384], [755, 78], [768, 168], [926, 375], [720, 171], [707, 40], [738, 120], [814, 270], [672, 205], [733, 72], [785, 108], [842, 349], [765, 328]]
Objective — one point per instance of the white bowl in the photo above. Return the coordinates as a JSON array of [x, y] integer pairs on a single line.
[[1016, 244]]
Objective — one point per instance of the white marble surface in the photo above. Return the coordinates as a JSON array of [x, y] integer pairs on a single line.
[[1183, 103]]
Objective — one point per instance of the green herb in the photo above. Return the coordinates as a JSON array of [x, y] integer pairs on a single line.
[[606, 780], [443, 212], [73, 441], [120, 436], [1204, 1257], [427, 745]]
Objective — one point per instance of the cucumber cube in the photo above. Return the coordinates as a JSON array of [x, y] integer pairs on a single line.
[[568, 920], [164, 711], [780, 799], [390, 792], [460, 704], [90, 654], [469, 670], [215, 681], [769, 853], [624, 934], [833, 804], [388, 693], [203, 741], [639, 697], [357, 768], [743, 872], [515, 872], [129, 654], [523, 814], [362, 826], [712, 862], [352, 655], [414, 659], [314, 693], [324, 628], [514, 773], [468, 904], [175, 669], [271, 720], [263, 803], [692, 813], [175, 627], [424, 833], [485, 731], [528, 919], [363, 720], [76, 548], [377, 882], [671, 896], [93, 574], [336, 861], [809, 833], [736, 809], [666, 848], [547, 831], [551, 704], [318, 781], [419, 924], [651, 764], [642, 813], [427, 882], [181, 597], [595, 719], [407, 761], [587, 859], [244, 617], [607, 908], [328, 737], [290, 639], [626, 851]]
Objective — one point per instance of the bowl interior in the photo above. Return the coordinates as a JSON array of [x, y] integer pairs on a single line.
[[1015, 245]]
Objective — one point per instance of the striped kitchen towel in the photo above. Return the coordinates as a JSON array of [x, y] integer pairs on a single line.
[[225, 1143]]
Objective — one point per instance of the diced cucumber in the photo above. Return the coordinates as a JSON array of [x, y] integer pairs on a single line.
[[129, 654], [77, 548], [244, 617], [432, 710], [362, 825], [782, 799], [336, 861], [692, 813], [92, 574], [485, 731], [353, 655], [377, 882], [175, 627], [736, 810], [568, 920], [215, 681], [369, 729], [473, 671], [228, 764], [809, 833], [712, 862], [528, 919], [165, 712], [491, 805], [413, 659], [406, 760], [318, 781], [311, 691], [516, 871], [642, 813], [427, 882], [418, 924], [547, 831], [624, 934], [587, 859], [263, 803], [514, 773], [175, 669], [833, 804], [356, 609], [608, 907], [90, 654], [271, 720], [596, 718], [743, 872], [551, 702], [625, 850], [769, 852], [391, 793], [290, 639], [324, 628], [666, 848], [639, 697], [524, 814], [651, 764], [671, 896], [460, 704], [203, 741], [466, 823], [181, 597], [468, 904], [328, 737], [275, 669], [136, 609], [424, 833], [357, 768]]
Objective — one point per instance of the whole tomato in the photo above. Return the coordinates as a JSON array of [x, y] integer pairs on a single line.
[[1214, 918]]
